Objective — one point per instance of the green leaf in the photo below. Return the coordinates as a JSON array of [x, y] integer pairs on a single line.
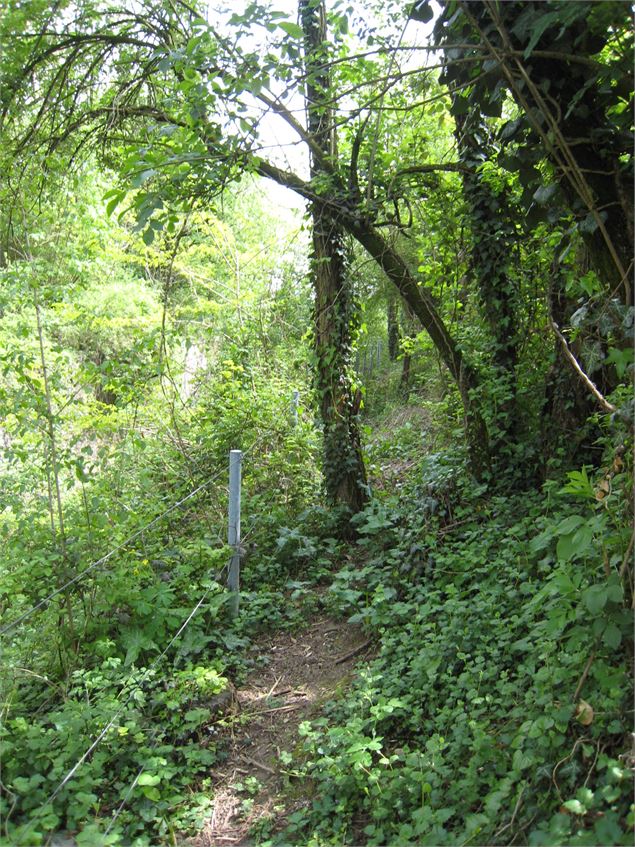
[[492, 107], [291, 29], [579, 485], [570, 524], [135, 640], [522, 760], [149, 779], [141, 177], [589, 224], [621, 359], [460, 105], [545, 193], [49, 821], [538, 28], [152, 793], [612, 636], [507, 133], [114, 202], [595, 598], [575, 806], [93, 834], [541, 542], [148, 235], [564, 583], [614, 590], [575, 544]]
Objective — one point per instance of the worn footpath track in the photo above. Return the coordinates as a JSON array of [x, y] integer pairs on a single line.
[[301, 671]]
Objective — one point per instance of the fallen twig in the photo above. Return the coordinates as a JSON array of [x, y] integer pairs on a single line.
[[288, 707], [260, 765], [354, 652], [523, 828], [562, 761], [269, 694], [599, 749], [274, 686]]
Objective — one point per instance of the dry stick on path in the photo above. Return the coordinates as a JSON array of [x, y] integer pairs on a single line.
[[260, 765], [288, 707], [354, 652], [273, 687]]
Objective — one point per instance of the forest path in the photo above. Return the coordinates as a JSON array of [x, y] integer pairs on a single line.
[[302, 670]]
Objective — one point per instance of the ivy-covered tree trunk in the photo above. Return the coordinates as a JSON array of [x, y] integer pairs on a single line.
[[592, 146], [344, 472], [409, 323], [493, 238], [392, 324], [549, 56]]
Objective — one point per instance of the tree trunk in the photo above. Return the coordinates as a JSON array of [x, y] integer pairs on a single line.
[[493, 239], [410, 331], [566, 425], [392, 324], [344, 472], [419, 299], [570, 108]]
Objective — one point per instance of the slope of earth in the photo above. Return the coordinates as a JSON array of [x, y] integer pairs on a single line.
[[300, 672]]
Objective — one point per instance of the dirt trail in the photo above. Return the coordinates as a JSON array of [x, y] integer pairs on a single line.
[[302, 671]]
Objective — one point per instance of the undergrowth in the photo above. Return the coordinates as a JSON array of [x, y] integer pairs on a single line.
[[110, 719], [498, 709]]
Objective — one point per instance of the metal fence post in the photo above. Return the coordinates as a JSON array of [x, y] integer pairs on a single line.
[[233, 530]]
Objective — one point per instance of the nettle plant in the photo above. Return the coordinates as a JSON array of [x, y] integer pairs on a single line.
[[592, 558]]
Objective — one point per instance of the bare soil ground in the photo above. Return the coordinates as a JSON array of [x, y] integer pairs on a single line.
[[302, 671]]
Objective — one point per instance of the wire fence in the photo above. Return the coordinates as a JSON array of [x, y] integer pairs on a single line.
[[134, 686], [133, 682], [102, 560]]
